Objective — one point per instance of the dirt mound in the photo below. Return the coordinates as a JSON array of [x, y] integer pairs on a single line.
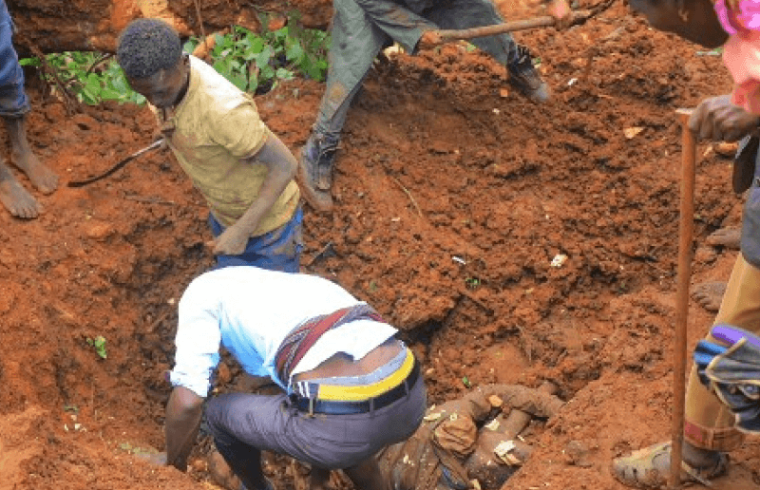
[[454, 198]]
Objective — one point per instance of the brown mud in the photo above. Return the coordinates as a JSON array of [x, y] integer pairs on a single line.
[[453, 198]]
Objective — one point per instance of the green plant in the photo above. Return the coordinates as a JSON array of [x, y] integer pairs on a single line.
[[91, 77], [472, 282], [99, 343], [256, 62], [253, 62]]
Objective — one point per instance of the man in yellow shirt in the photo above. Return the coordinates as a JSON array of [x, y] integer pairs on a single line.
[[242, 169]]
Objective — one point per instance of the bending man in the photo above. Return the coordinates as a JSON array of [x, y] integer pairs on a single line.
[[352, 387]]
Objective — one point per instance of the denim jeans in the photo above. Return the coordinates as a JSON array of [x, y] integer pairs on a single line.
[[278, 250], [13, 100]]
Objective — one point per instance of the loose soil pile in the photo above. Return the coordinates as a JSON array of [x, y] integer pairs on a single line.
[[453, 198]]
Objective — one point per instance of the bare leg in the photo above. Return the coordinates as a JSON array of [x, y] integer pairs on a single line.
[[41, 176], [15, 198], [319, 479], [367, 476], [709, 294]]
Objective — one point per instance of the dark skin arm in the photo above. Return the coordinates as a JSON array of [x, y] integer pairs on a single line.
[[281, 166], [183, 418], [717, 119]]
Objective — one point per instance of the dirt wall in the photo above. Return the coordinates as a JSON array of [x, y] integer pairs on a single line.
[[83, 25]]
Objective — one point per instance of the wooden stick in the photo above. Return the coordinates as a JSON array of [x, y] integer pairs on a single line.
[[685, 232], [516, 25]]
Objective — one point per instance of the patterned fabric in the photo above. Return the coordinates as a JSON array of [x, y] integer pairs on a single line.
[[738, 15], [300, 340]]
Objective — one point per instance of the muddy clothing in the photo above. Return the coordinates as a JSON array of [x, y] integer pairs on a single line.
[[13, 99], [361, 28], [453, 445], [212, 131]]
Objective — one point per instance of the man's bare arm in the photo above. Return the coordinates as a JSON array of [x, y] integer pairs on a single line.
[[281, 168], [183, 418]]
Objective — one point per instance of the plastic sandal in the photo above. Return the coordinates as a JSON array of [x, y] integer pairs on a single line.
[[649, 468]]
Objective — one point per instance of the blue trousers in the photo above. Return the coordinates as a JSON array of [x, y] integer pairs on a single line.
[[278, 250], [13, 100]]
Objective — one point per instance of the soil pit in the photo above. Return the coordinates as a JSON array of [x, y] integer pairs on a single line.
[[453, 198]]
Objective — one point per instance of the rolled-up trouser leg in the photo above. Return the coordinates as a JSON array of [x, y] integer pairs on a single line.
[[13, 99], [709, 423], [464, 14]]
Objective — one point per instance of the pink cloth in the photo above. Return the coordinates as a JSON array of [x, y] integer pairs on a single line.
[[741, 53]]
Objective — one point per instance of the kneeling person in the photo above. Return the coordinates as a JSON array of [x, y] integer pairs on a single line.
[[352, 387]]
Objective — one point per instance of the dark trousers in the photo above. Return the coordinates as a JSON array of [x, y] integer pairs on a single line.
[[243, 425]]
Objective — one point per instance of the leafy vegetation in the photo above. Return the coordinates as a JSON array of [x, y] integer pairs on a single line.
[[91, 77], [254, 62], [99, 344]]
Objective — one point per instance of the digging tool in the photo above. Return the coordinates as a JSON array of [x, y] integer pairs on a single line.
[[685, 232], [152, 146], [578, 17]]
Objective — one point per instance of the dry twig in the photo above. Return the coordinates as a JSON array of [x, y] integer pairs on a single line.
[[408, 194]]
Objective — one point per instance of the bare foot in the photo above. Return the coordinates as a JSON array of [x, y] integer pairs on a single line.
[[725, 237], [39, 174], [17, 200], [709, 294]]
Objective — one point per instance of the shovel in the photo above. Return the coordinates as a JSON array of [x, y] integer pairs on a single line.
[[151, 147]]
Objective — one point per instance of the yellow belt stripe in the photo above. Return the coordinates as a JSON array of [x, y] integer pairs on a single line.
[[365, 392]]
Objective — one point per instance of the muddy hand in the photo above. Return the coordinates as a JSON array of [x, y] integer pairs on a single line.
[[717, 119], [231, 242], [430, 39]]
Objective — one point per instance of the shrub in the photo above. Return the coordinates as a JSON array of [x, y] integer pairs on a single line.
[[253, 62]]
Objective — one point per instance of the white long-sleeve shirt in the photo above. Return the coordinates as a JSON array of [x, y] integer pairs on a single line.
[[250, 311]]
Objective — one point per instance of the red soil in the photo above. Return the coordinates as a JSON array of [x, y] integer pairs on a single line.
[[453, 197]]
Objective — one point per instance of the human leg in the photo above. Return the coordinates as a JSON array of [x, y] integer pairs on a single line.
[[279, 249], [464, 14], [355, 43], [14, 104], [243, 425], [22, 156], [709, 430], [15, 198]]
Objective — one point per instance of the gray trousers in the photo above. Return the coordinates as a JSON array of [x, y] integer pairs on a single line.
[[361, 28], [243, 425]]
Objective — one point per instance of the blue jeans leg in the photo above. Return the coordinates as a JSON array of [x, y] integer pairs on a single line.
[[278, 250]]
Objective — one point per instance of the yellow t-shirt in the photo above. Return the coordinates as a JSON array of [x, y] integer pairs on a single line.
[[216, 126]]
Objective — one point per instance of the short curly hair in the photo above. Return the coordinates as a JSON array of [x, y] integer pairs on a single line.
[[147, 46]]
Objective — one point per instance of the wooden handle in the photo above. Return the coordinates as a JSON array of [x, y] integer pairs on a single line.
[[517, 25], [685, 232]]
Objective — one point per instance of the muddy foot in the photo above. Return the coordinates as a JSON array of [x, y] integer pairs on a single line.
[[725, 237], [39, 174], [17, 200], [709, 295]]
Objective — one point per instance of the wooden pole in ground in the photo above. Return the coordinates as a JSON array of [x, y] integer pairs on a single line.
[[685, 232]]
